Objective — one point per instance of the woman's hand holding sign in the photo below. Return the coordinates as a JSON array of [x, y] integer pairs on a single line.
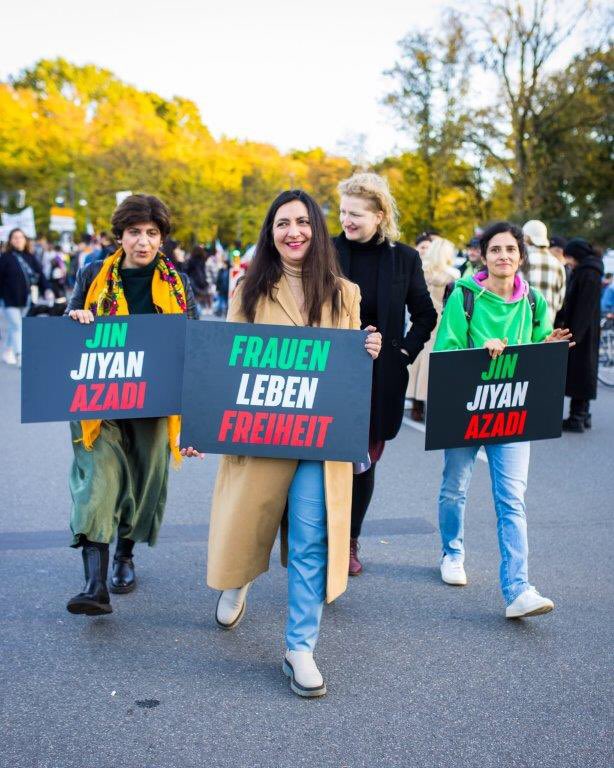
[[83, 316], [495, 347], [561, 334], [373, 343], [191, 452]]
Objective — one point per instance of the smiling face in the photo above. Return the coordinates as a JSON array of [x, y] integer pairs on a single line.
[[18, 240], [502, 255], [141, 243], [357, 218], [292, 232]]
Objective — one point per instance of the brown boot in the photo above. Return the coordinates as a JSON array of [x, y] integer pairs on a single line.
[[355, 564], [417, 411]]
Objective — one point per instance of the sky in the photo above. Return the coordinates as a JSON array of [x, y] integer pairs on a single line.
[[296, 75]]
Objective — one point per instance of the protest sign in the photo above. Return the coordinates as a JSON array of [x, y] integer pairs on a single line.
[[277, 391], [475, 400], [114, 368]]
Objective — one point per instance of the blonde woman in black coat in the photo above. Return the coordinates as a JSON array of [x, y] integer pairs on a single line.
[[390, 278]]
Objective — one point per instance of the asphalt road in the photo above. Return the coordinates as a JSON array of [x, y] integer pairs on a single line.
[[418, 673]]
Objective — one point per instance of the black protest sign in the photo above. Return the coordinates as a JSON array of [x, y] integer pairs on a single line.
[[276, 391], [123, 367], [475, 400]]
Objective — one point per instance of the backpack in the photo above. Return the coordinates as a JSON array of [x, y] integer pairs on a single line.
[[469, 302]]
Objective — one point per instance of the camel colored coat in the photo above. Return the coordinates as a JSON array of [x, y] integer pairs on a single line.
[[251, 493]]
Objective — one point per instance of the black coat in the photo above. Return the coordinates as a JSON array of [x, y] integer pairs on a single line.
[[400, 284], [582, 315], [86, 275], [14, 287]]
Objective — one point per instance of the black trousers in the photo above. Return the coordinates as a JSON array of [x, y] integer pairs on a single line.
[[362, 491]]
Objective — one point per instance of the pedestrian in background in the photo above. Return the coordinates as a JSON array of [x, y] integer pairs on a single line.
[[473, 263], [502, 314], [293, 280], [543, 270], [20, 275], [582, 315], [197, 272], [439, 273], [222, 287], [391, 281]]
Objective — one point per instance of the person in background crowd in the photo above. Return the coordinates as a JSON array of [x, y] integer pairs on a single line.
[[119, 477], [107, 247], [293, 280], [211, 269], [474, 258], [439, 272], [582, 315], [423, 242], [197, 272], [55, 269], [222, 286], [390, 278], [542, 270], [607, 298], [557, 248], [502, 314], [20, 273]]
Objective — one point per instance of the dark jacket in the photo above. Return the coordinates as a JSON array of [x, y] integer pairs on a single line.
[[582, 316], [14, 286], [86, 275], [400, 284]]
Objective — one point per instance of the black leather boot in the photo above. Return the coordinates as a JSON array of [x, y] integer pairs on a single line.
[[123, 579], [94, 600]]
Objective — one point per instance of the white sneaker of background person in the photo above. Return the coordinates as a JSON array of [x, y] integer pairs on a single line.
[[453, 571], [9, 357], [528, 603]]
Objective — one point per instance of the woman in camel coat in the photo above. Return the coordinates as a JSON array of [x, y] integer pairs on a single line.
[[293, 280]]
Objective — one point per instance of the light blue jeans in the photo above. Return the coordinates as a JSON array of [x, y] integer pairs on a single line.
[[509, 466], [13, 316], [307, 556]]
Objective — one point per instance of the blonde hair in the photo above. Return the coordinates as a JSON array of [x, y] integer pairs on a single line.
[[375, 189], [439, 259]]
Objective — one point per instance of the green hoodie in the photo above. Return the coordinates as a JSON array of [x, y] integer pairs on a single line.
[[493, 317]]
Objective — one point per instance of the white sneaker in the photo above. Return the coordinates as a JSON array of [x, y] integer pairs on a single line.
[[8, 356], [453, 571], [230, 607], [529, 603], [305, 677]]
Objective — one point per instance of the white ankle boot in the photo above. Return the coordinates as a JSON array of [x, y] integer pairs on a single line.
[[231, 607], [305, 677]]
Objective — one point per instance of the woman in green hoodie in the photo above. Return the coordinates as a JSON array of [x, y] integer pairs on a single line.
[[504, 311]]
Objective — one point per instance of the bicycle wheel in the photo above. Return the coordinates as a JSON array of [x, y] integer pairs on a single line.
[[605, 372]]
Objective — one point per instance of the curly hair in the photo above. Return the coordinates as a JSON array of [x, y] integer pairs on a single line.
[[375, 190]]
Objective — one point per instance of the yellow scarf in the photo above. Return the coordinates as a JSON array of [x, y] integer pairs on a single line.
[[106, 297]]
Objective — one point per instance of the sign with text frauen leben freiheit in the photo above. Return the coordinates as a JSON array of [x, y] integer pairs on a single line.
[[475, 400], [114, 368], [276, 391]]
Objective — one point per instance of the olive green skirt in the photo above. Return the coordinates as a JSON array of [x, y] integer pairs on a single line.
[[121, 484]]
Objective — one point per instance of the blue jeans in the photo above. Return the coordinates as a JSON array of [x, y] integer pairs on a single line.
[[509, 465], [13, 316], [307, 556]]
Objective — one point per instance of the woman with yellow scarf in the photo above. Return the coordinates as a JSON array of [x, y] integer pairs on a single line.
[[119, 476]]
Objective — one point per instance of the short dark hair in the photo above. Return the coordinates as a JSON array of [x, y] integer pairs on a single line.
[[498, 228], [137, 209]]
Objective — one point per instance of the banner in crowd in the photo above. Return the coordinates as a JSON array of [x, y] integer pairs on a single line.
[[23, 220], [475, 400], [114, 368], [277, 391]]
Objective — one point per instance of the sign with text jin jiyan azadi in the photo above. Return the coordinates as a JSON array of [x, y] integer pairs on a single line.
[[276, 391], [113, 368], [476, 400]]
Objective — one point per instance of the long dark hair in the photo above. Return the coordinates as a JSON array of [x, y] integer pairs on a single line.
[[9, 247], [320, 269]]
